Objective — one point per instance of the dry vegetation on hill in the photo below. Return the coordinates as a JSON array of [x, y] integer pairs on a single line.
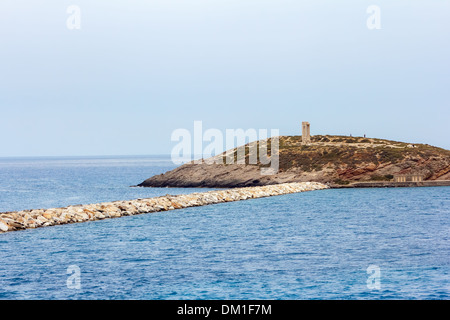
[[331, 159]]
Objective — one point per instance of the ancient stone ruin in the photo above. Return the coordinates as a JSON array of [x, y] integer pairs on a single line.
[[306, 137]]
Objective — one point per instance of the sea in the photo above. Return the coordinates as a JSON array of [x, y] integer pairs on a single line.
[[374, 243]]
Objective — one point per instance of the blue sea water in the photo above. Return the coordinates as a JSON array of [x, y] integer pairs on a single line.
[[311, 245]]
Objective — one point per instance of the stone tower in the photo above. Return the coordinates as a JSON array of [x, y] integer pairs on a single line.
[[306, 138]]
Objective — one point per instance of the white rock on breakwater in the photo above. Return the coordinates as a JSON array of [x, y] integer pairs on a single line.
[[25, 219]]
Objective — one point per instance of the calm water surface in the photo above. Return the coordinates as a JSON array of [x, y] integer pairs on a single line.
[[312, 245]]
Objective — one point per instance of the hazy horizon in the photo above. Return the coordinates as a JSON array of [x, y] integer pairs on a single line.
[[136, 71], [136, 155]]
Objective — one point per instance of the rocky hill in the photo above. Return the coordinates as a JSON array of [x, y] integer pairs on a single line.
[[336, 160]]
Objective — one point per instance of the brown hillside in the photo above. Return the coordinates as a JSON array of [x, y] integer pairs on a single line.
[[337, 160]]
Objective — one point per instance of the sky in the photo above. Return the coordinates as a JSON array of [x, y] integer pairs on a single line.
[[135, 71]]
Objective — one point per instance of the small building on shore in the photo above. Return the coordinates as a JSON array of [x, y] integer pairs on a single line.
[[408, 178]]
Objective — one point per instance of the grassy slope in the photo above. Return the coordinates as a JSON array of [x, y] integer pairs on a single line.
[[349, 151], [329, 159]]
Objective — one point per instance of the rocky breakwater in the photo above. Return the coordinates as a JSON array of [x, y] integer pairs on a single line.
[[26, 219]]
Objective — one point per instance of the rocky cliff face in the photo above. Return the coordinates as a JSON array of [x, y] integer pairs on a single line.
[[336, 160]]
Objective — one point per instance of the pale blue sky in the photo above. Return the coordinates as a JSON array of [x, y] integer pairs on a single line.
[[137, 70]]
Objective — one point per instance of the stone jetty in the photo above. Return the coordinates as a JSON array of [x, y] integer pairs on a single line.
[[26, 219]]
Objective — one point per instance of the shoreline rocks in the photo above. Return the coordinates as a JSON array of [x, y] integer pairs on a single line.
[[30, 219]]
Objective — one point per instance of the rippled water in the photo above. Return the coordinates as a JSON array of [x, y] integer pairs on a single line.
[[31, 183], [312, 245]]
